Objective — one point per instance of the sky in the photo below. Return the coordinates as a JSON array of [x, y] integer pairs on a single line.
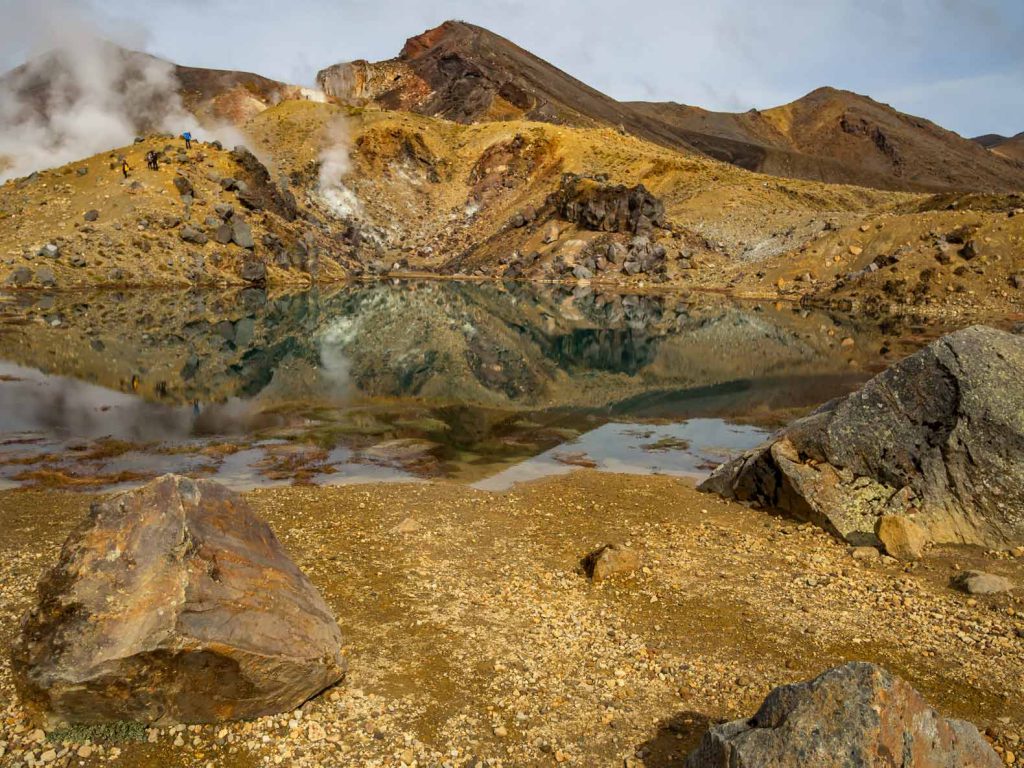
[[959, 63]]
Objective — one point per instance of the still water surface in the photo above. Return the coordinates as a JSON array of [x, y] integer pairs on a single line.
[[483, 383]]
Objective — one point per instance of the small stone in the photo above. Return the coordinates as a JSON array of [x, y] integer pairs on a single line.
[[48, 756], [409, 525], [501, 731], [241, 234], [85, 750], [864, 553], [223, 233], [91, 215], [20, 276], [315, 732], [192, 235], [856, 250], [981, 583], [902, 537], [184, 186], [610, 560]]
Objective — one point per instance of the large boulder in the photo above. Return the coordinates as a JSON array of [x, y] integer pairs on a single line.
[[174, 603], [854, 716], [938, 437]]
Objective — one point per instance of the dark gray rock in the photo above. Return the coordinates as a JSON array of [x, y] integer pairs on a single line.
[[174, 603], [224, 233], [45, 277], [980, 583], [92, 215], [224, 210], [184, 186], [20, 276], [608, 208], [253, 271], [939, 435], [854, 716], [241, 234], [50, 251], [192, 235]]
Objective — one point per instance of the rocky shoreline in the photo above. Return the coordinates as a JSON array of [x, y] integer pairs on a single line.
[[511, 657]]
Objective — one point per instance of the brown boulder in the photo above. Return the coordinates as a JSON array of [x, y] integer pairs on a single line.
[[854, 716], [902, 537], [174, 603], [610, 560]]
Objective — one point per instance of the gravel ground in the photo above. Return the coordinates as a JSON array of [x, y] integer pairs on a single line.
[[473, 640]]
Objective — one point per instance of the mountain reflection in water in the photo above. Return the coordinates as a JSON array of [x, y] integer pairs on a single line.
[[400, 380]]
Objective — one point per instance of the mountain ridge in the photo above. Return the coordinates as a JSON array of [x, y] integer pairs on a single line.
[[465, 73]]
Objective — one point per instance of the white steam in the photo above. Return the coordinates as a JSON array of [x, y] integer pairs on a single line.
[[81, 94], [334, 164]]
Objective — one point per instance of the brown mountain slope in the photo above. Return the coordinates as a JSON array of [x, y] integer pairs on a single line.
[[865, 142], [467, 74], [1012, 148]]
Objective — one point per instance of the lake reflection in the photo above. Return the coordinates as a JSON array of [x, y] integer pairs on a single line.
[[400, 380]]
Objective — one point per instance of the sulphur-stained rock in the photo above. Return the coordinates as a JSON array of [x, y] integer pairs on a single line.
[[174, 603], [939, 436], [854, 716], [902, 537], [610, 560]]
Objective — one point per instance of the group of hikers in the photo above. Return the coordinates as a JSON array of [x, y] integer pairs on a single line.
[[153, 157]]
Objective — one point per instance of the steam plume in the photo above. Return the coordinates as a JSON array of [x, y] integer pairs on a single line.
[[82, 95], [334, 164]]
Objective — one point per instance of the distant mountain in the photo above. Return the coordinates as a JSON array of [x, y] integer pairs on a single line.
[[1010, 147], [467, 74], [989, 140], [834, 135]]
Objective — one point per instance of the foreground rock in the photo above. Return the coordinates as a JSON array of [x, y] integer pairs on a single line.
[[939, 435], [854, 715], [174, 603], [610, 560], [981, 583]]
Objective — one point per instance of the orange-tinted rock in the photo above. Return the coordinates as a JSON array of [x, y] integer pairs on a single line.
[[610, 560], [174, 603]]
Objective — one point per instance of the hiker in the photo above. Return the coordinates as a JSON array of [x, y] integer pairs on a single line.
[[124, 167], [151, 160], [187, 136]]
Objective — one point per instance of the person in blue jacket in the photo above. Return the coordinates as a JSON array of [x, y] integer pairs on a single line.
[[187, 136]]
